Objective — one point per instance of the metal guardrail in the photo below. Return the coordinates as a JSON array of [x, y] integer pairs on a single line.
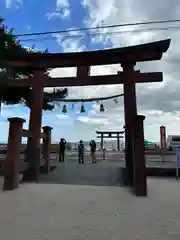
[[163, 158]]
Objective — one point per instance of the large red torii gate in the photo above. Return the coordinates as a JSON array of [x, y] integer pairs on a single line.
[[127, 57]]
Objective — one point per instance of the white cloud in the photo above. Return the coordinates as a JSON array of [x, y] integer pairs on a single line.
[[62, 10], [62, 4], [64, 7], [13, 3], [62, 116], [70, 43], [86, 119], [53, 15], [63, 72]]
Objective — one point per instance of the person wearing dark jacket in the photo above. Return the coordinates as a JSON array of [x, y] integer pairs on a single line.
[[62, 146], [93, 150], [81, 152]]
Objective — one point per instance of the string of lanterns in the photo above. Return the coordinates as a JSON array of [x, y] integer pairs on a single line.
[[82, 108]]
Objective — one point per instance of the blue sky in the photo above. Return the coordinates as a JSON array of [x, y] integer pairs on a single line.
[[33, 16]]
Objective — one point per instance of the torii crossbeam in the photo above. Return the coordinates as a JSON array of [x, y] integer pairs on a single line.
[[88, 80]]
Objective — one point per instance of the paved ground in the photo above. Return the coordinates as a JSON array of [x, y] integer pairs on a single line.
[[86, 202], [104, 173], [90, 212]]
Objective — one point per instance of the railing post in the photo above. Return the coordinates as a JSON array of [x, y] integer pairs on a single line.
[[12, 160], [47, 147]]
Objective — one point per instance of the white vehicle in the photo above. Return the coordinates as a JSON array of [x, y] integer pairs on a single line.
[[173, 142]]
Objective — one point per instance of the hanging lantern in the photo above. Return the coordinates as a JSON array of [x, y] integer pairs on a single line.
[[82, 109], [64, 110], [102, 109]]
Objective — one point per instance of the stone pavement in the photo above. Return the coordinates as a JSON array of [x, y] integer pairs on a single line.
[[68, 211], [104, 173]]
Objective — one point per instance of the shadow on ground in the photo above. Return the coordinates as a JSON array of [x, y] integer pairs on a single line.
[[71, 173]]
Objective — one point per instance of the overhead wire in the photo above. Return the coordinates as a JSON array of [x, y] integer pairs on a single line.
[[98, 27], [101, 33]]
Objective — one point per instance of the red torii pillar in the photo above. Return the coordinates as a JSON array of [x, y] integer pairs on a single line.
[[33, 143], [130, 109]]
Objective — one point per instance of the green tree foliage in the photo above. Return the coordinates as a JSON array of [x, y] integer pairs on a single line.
[[10, 95]]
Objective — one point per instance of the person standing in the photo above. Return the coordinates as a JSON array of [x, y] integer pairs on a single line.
[[93, 150], [81, 152], [62, 146]]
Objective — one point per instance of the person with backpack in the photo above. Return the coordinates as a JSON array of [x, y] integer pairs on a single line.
[[81, 152], [93, 150]]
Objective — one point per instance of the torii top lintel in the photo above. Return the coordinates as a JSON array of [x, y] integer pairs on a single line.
[[112, 132], [138, 53]]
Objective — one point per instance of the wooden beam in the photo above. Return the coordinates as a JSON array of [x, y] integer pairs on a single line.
[[90, 80], [83, 71], [138, 53], [27, 133], [92, 61], [111, 132], [110, 137]]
